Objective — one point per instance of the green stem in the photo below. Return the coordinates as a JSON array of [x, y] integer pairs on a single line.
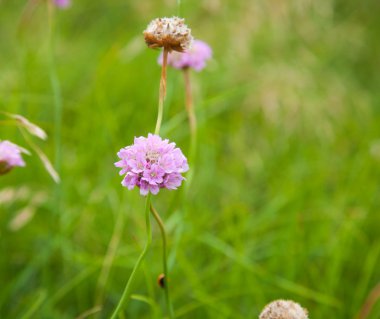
[[8, 122], [192, 124], [162, 92], [192, 158], [127, 291], [56, 88], [57, 102], [164, 260]]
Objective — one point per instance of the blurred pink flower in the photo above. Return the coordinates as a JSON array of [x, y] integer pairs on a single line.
[[195, 57], [10, 156], [152, 163], [62, 3]]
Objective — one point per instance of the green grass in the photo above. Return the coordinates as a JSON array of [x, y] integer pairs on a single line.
[[284, 202]]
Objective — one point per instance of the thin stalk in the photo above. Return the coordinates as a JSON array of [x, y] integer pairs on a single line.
[[57, 102], [127, 291], [162, 93], [192, 121], [8, 122], [164, 260], [56, 88], [192, 156], [41, 297], [371, 300]]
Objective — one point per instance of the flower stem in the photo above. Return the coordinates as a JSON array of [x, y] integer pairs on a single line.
[[164, 260], [162, 93], [192, 121], [57, 102], [373, 296], [56, 89], [127, 291]]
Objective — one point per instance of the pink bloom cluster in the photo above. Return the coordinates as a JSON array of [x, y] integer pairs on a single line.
[[151, 163], [62, 3], [195, 57], [10, 156]]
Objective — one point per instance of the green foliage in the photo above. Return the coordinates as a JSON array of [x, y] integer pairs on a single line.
[[284, 202]]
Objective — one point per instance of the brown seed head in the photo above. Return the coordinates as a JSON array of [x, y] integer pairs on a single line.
[[283, 309], [169, 33]]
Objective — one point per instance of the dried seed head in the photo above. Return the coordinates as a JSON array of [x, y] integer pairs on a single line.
[[169, 33], [283, 309]]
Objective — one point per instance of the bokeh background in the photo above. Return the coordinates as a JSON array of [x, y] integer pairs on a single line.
[[284, 202]]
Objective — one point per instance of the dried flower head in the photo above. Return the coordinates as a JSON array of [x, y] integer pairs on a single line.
[[283, 309], [62, 3], [171, 34], [151, 163], [195, 57], [10, 156]]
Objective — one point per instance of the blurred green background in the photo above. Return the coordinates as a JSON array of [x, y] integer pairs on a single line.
[[284, 202]]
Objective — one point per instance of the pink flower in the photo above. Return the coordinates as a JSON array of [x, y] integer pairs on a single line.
[[62, 3], [195, 57], [151, 163], [10, 156]]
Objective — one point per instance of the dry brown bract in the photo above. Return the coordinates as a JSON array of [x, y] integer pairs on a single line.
[[168, 33], [283, 309]]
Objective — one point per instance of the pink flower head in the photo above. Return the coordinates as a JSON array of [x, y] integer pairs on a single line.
[[10, 156], [152, 163], [62, 3], [195, 57]]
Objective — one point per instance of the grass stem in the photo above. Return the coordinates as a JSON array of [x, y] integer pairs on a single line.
[[127, 291], [164, 260]]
